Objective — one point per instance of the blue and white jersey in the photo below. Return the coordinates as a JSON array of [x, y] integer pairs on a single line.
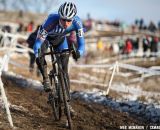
[[52, 26]]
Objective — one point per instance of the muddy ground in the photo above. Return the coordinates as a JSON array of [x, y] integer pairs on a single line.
[[37, 115]]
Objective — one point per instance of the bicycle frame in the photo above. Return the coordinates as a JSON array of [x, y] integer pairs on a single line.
[[61, 85]]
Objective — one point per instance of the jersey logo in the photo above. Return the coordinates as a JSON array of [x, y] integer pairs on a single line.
[[79, 24], [42, 34], [80, 32], [58, 29]]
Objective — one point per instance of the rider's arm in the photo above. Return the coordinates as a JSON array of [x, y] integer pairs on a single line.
[[43, 32], [80, 35]]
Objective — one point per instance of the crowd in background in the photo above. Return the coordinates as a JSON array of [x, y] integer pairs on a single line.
[[126, 46], [152, 27], [88, 23], [149, 43], [20, 28], [139, 24]]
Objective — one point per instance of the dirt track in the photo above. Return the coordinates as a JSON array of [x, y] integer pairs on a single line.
[[38, 115]]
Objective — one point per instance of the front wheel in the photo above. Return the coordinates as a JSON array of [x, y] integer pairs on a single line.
[[55, 100], [65, 99]]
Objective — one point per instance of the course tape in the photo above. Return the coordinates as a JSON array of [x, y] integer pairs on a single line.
[[120, 65], [139, 69]]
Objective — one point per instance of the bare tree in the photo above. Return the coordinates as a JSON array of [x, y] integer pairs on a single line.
[[24, 4], [38, 6], [44, 6], [3, 4]]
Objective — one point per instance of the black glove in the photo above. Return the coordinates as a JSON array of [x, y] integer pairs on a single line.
[[76, 55]]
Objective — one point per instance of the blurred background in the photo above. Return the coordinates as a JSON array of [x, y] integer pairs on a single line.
[[122, 50], [129, 12], [124, 31]]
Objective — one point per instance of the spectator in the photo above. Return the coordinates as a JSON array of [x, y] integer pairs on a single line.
[[100, 45], [20, 28], [30, 26], [136, 22], [158, 45], [88, 23], [135, 44], [159, 25], [152, 27], [121, 45], [128, 47], [141, 23], [31, 40], [146, 45], [154, 46]]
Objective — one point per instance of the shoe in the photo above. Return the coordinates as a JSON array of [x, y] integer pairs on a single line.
[[46, 85]]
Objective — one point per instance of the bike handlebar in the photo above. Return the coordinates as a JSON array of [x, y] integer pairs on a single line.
[[72, 49]]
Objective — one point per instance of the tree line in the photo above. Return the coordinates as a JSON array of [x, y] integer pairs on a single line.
[[37, 6]]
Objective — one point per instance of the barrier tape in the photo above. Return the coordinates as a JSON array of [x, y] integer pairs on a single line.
[[121, 65], [88, 83], [91, 65], [139, 69]]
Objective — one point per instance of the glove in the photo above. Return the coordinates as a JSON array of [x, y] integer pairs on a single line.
[[76, 55]]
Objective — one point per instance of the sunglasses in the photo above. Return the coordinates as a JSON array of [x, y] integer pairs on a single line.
[[67, 20]]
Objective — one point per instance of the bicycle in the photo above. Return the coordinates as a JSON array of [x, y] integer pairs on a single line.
[[60, 84]]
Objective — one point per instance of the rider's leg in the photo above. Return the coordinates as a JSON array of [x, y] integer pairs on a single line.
[[42, 65], [31, 62]]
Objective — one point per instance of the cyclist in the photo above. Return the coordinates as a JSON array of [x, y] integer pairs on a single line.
[[61, 23]]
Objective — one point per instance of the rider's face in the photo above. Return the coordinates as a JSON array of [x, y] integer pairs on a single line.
[[66, 23]]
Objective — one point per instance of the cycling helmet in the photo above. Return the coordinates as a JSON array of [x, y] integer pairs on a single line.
[[67, 10]]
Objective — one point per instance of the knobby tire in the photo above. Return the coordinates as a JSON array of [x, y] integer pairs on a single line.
[[64, 92], [56, 102]]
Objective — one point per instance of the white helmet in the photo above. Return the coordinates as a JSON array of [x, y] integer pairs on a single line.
[[67, 10]]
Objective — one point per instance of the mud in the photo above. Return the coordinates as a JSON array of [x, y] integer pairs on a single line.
[[37, 114]]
